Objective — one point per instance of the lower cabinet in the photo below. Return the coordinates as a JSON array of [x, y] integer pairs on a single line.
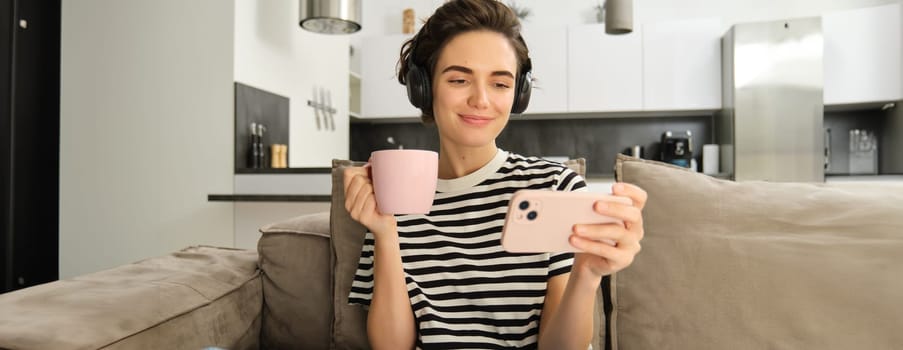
[[250, 216]]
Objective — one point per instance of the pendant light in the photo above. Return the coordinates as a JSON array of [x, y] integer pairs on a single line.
[[330, 16], [618, 16]]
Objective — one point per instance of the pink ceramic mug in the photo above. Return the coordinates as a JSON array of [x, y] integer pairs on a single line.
[[404, 181]]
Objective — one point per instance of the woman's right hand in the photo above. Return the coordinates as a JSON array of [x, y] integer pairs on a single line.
[[361, 203]]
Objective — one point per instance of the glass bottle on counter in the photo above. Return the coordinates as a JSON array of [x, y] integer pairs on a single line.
[[253, 150], [261, 151]]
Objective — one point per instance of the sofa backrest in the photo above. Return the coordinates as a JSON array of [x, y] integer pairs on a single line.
[[350, 321], [297, 283], [759, 265]]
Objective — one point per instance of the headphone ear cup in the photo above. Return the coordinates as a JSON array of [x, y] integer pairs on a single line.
[[418, 86], [523, 88]]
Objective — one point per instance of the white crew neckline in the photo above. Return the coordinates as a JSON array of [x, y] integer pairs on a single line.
[[474, 178]]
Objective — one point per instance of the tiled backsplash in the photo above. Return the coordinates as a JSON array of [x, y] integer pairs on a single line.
[[263, 107], [597, 140]]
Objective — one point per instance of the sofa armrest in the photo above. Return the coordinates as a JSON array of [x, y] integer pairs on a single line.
[[194, 298]]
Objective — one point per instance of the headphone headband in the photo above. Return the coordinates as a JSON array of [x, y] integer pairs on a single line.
[[418, 83]]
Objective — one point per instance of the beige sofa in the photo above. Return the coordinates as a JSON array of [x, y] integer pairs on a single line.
[[724, 265]]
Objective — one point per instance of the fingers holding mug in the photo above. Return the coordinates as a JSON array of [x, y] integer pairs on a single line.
[[362, 196], [355, 182]]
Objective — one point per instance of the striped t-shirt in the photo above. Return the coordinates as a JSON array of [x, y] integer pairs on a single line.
[[466, 291]]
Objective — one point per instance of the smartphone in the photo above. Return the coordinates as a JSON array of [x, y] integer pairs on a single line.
[[540, 221]]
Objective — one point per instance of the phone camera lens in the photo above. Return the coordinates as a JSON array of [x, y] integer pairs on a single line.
[[531, 215], [524, 205]]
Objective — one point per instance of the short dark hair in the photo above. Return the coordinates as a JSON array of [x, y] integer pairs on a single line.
[[451, 19]]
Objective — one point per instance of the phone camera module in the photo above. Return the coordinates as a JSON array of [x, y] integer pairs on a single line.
[[531, 215], [524, 205]]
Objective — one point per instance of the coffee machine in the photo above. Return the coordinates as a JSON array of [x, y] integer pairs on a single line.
[[677, 148]]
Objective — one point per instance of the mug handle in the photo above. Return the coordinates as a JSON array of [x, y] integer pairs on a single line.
[[369, 167]]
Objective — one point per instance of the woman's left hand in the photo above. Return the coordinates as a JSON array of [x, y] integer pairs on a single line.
[[599, 257]]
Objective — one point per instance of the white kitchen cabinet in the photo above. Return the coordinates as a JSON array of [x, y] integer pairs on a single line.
[[862, 55], [605, 72], [682, 65], [381, 94], [548, 53]]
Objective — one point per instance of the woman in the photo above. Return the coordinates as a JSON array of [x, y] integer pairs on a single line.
[[442, 280]]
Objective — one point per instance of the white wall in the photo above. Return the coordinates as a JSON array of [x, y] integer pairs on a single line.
[[384, 17], [146, 129], [273, 53]]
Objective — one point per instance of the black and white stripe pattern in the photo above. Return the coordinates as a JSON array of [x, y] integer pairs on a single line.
[[466, 291]]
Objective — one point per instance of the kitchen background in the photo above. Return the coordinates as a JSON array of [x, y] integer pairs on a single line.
[[147, 104], [597, 140]]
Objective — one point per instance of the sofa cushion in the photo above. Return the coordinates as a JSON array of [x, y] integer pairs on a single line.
[[199, 297], [757, 265], [297, 283], [350, 321]]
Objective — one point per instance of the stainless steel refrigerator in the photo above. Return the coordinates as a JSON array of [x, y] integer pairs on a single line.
[[770, 127]]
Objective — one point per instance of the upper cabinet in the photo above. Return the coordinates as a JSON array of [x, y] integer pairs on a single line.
[[605, 72], [682, 65], [548, 52], [664, 66], [862, 58], [381, 94], [580, 69]]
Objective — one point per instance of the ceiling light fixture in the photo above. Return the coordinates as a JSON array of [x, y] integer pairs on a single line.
[[618, 16], [330, 16]]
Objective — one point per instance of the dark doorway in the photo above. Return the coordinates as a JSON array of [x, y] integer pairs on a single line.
[[29, 142]]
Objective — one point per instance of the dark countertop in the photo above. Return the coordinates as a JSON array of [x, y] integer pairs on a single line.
[[268, 198], [283, 171]]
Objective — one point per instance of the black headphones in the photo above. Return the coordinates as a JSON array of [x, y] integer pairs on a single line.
[[420, 93]]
